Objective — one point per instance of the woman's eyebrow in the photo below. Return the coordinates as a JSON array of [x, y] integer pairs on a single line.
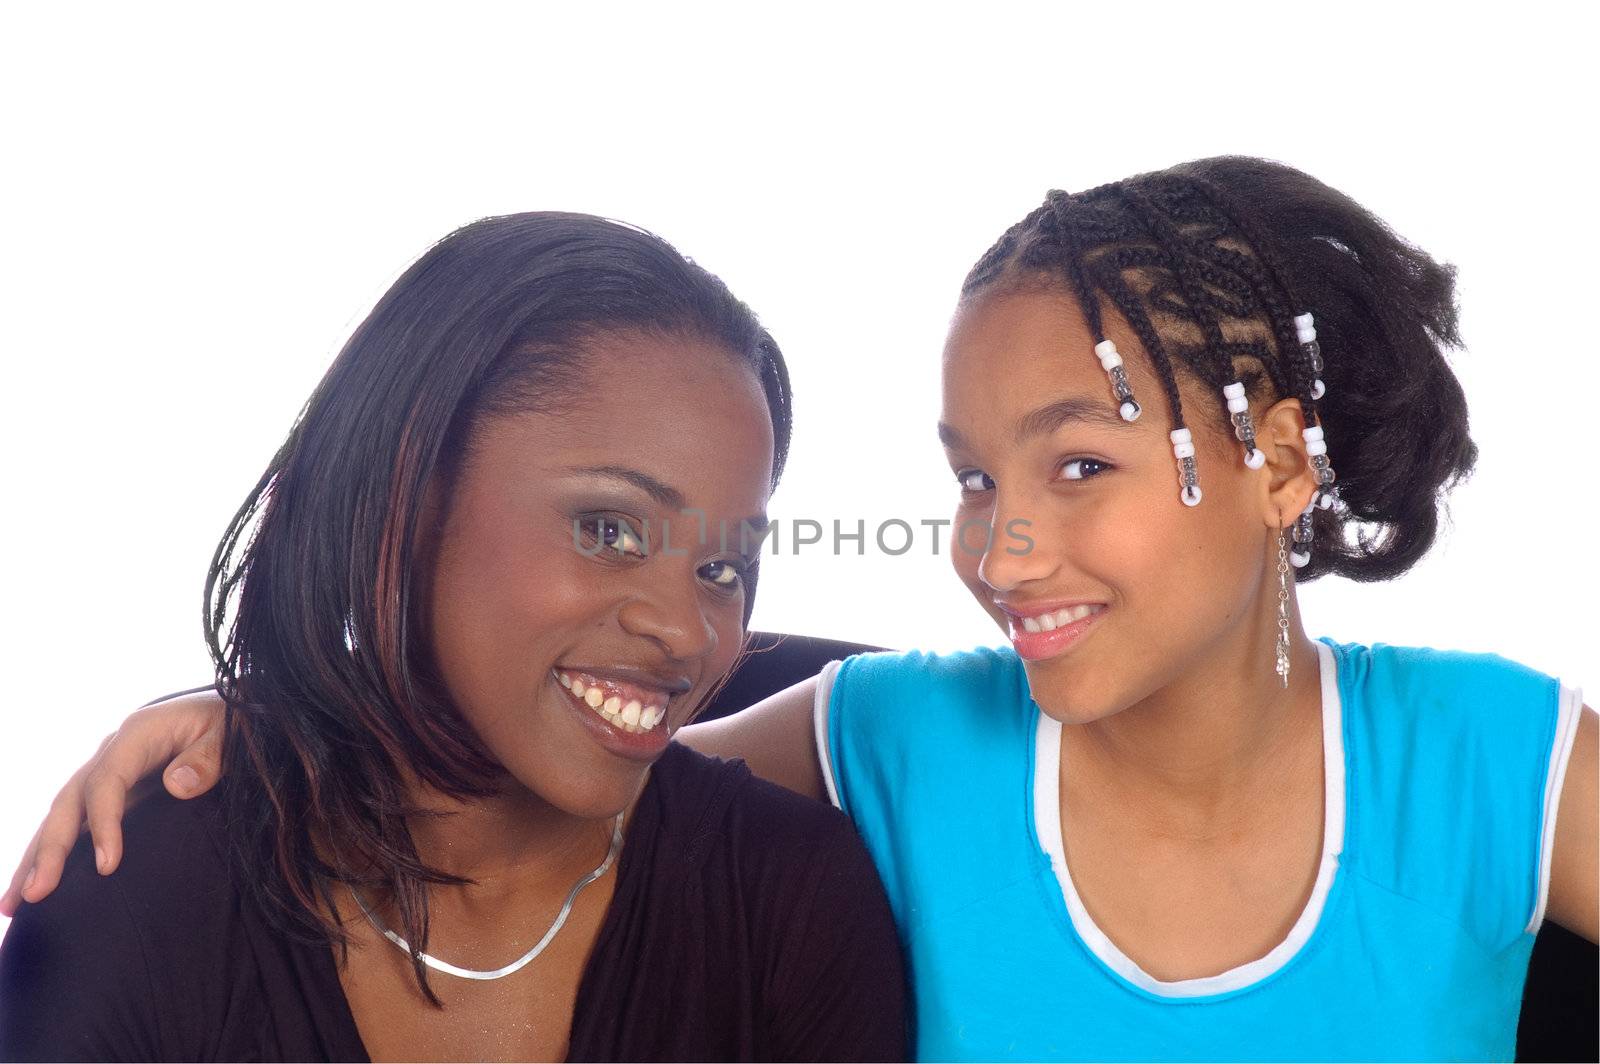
[[665, 494], [1047, 419]]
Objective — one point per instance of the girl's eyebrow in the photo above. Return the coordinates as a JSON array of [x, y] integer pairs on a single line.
[[1048, 418]]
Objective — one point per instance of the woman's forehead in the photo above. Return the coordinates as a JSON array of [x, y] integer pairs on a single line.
[[683, 412]]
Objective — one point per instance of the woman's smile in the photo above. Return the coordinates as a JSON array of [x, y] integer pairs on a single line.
[[627, 717]]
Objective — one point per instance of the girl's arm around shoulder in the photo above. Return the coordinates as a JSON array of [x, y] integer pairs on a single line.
[[776, 737], [1575, 857]]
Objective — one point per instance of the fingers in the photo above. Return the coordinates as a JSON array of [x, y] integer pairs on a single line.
[[46, 855], [100, 791], [144, 743], [198, 768], [23, 877]]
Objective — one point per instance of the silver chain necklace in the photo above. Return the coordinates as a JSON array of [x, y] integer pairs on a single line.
[[517, 965]]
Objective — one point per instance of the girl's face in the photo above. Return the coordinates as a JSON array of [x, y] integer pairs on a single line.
[[1089, 541], [575, 655]]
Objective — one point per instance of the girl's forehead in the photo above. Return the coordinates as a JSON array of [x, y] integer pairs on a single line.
[[1013, 348]]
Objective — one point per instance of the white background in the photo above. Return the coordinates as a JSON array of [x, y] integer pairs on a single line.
[[201, 202]]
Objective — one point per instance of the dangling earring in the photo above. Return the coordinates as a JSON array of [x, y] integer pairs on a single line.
[[1282, 667]]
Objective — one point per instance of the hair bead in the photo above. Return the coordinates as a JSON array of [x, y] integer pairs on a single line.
[[1188, 472], [1305, 328], [1243, 427], [1300, 552], [1111, 362]]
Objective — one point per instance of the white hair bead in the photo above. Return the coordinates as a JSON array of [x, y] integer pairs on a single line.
[[1234, 390], [1298, 560], [1181, 436], [1183, 450], [1318, 390], [1129, 411], [1238, 405], [1106, 351], [1254, 459], [1191, 496], [1316, 447], [1312, 433], [1305, 327], [1325, 500]]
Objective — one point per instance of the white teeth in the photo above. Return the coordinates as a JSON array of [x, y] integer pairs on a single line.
[[1049, 622], [631, 716]]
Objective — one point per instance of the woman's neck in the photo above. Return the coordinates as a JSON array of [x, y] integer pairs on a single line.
[[513, 836]]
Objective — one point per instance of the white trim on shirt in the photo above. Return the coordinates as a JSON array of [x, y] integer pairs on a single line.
[[1047, 818], [819, 716], [1567, 716]]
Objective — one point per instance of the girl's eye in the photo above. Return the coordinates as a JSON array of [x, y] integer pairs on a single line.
[[614, 534], [974, 480], [725, 575], [1082, 468]]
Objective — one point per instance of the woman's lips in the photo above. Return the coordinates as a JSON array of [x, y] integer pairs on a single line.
[[1043, 633], [625, 718]]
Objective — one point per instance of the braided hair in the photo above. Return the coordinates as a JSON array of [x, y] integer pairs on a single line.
[[1210, 262]]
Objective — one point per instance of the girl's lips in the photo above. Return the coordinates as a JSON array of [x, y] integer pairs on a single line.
[[1035, 642]]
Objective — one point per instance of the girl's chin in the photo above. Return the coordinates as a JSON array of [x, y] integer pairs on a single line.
[[1070, 701]]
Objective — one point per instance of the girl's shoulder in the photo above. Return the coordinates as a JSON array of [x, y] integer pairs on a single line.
[[1425, 676], [984, 688], [1455, 764]]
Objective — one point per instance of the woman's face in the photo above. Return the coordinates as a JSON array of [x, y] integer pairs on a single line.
[[1127, 587], [575, 655]]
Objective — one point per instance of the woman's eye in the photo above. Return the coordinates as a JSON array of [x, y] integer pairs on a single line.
[[724, 575], [614, 534], [1082, 468], [974, 480]]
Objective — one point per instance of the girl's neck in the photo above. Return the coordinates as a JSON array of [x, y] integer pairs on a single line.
[[1196, 757]]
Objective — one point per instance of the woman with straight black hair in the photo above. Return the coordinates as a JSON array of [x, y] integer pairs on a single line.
[[453, 824]]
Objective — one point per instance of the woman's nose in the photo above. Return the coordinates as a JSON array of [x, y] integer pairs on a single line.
[[672, 616]]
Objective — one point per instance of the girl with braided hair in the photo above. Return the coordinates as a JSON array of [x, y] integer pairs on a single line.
[[1165, 823]]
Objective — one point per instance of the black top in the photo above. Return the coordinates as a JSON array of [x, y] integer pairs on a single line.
[[754, 915]]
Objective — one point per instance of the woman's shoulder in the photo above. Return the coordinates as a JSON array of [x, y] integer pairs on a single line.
[[97, 967], [172, 858], [706, 802]]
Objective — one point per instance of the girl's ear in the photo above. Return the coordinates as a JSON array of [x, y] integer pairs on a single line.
[[1290, 483]]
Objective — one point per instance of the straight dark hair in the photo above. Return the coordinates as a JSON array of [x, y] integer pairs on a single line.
[[313, 617]]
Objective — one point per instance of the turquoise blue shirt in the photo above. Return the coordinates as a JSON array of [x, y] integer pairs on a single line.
[[1442, 771]]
